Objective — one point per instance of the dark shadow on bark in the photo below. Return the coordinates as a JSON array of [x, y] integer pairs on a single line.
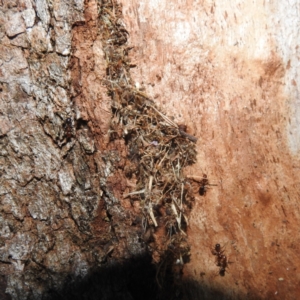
[[135, 280], [3, 283]]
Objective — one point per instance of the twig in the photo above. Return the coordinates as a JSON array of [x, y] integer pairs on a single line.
[[151, 214], [135, 193], [190, 137], [165, 117]]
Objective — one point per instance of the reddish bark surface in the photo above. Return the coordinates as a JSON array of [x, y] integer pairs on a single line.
[[206, 67]]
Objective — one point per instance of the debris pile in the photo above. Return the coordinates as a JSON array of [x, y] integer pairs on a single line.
[[158, 149]]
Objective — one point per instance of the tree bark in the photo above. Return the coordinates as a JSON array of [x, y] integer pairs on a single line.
[[229, 71], [92, 155], [61, 182], [91, 168]]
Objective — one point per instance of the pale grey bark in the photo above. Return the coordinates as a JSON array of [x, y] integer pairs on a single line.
[[51, 173]]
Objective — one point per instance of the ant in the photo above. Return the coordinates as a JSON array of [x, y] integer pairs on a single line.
[[223, 264], [221, 259], [68, 128], [222, 272], [203, 187], [217, 250], [203, 181]]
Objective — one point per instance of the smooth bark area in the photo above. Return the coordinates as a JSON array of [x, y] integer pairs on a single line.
[[229, 71]]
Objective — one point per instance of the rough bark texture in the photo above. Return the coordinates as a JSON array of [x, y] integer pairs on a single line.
[[225, 69], [60, 214]]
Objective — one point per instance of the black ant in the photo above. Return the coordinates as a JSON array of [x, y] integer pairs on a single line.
[[223, 264], [204, 182], [221, 259], [222, 272], [68, 128], [217, 250]]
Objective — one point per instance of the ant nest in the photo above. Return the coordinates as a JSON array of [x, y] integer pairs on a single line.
[[158, 149]]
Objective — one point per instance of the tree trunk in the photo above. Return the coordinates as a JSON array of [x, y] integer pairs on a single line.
[[91, 168], [97, 177], [229, 71], [61, 180]]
